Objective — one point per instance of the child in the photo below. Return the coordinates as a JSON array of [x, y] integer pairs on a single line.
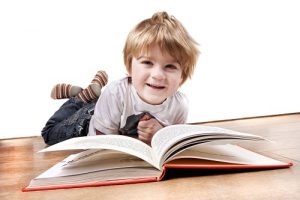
[[159, 56]]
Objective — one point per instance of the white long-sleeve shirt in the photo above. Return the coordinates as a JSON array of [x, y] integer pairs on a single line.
[[119, 100]]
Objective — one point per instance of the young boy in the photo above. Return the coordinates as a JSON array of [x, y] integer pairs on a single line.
[[159, 56]]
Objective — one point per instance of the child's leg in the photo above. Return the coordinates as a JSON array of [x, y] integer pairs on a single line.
[[93, 91], [63, 90], [73, 117], [71, 120]]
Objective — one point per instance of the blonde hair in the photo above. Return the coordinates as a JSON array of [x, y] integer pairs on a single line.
[[167, 32]]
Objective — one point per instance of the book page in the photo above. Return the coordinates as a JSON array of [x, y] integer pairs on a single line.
[[226, 153], [124, 174], [171, 136], [190, 142], [114, 142], [99, 166], [92, 161]]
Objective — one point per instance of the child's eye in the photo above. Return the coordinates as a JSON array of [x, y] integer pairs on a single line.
[[171, 67], [147, 62]]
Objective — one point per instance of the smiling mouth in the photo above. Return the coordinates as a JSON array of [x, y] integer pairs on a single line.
[[155, 86]]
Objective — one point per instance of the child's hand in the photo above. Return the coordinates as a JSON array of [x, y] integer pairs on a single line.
[[147, 127]]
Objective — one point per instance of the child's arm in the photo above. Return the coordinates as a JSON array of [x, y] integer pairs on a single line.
[[147, 127], [99, 133]]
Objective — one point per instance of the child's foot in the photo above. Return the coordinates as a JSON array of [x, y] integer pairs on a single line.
[[63, 90], [93, 91], [100, 78]]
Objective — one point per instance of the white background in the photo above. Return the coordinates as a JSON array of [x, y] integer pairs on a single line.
[[248, 66]]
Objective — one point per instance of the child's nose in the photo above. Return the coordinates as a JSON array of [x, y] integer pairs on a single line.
[[158, 73]]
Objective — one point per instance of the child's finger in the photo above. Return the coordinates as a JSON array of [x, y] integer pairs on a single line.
[[145, 117]]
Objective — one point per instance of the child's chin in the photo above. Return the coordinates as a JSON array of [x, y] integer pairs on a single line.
[[155, 101]]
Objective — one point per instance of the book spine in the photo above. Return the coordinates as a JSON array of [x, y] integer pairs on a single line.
[[163, 173]]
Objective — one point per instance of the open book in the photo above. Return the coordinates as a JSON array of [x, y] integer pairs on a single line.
[[117, 159]]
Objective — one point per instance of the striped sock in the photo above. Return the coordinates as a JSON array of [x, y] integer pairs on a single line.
[[63, 90], [100, 78], [93, 91]]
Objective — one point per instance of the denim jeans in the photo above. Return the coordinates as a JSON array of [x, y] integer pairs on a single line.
[[70, 120]]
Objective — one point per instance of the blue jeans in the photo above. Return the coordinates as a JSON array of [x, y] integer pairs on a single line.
[[70, 120]]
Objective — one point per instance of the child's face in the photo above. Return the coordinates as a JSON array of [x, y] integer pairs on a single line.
[[155, 76]]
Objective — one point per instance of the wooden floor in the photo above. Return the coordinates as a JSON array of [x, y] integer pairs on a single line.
[[20, 162]]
